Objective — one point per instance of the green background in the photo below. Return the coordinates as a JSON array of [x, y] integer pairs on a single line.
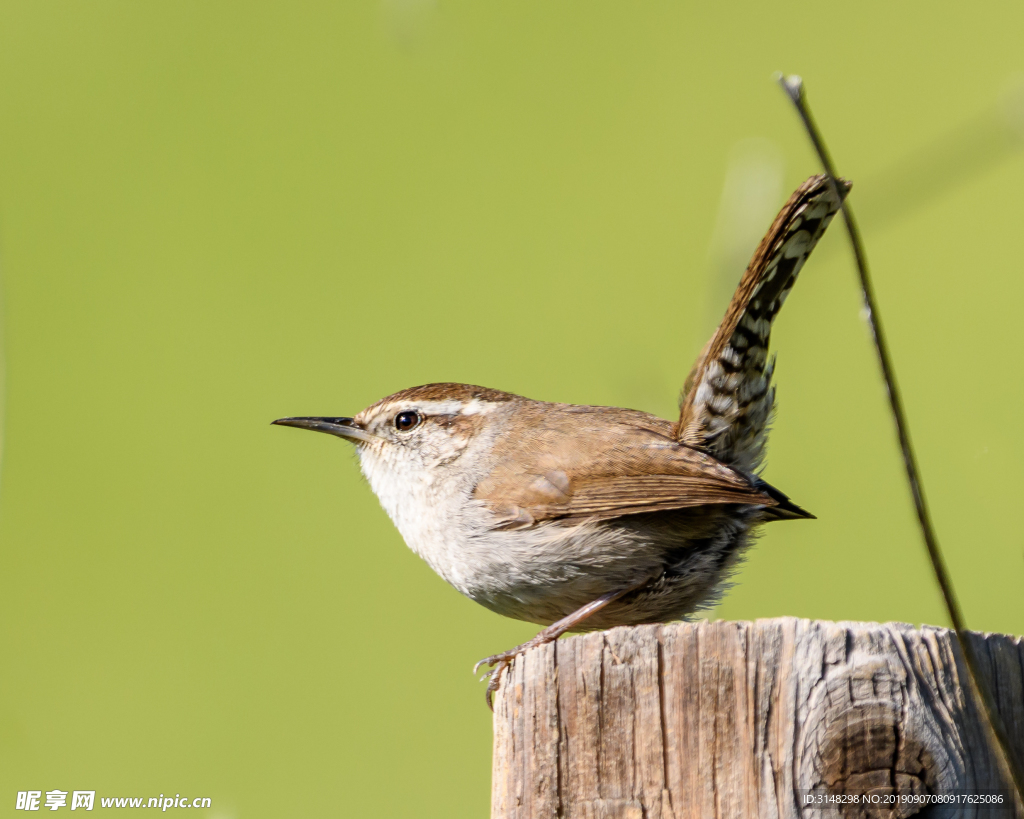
[[214, 214]]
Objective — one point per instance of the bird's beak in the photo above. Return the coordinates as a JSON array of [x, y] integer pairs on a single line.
[[342, 427]]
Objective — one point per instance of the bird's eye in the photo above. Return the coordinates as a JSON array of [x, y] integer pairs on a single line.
[[404, 421]]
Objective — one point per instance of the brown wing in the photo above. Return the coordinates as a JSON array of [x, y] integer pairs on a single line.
[[728, 398], [600, 463]]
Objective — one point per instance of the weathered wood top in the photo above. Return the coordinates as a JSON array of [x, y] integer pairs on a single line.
[[732, 719]]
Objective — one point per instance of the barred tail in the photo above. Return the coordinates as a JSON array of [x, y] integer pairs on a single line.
[[728, 397]]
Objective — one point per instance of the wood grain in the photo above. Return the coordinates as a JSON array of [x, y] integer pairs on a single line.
[[733, 720]]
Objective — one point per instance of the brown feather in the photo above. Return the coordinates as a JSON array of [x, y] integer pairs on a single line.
[[621, 462], [727, 397]]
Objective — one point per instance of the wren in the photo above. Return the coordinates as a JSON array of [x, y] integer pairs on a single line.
[[581, 517]]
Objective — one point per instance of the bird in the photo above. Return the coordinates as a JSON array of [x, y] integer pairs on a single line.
[[579, 518]]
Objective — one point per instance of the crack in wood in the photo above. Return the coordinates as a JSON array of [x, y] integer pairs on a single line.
[[727, 720]]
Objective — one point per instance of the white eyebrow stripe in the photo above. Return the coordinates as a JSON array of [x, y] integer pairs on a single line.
[[477, 407], [451, 407], [441, 407]]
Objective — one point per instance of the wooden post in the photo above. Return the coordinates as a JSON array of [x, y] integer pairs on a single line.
[[734, 720]]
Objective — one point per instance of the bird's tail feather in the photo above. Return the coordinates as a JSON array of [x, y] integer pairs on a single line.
[[728, 397]]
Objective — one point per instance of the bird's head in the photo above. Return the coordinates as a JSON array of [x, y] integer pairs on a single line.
[[417, 429]]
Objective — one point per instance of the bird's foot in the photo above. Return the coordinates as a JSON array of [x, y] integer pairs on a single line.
[[493, 678], [499, 663]]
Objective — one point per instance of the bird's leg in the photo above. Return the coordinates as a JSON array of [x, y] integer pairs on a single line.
[[502, 661]]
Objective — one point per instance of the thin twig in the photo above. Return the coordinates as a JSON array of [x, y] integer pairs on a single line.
[[793, 86]]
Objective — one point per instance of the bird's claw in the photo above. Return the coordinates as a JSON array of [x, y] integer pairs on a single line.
[[487, 675], [494, 659], [479, 663], [499, 662], [495, 681]]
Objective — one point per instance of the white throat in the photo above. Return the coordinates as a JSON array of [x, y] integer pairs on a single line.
[[431, 504]]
